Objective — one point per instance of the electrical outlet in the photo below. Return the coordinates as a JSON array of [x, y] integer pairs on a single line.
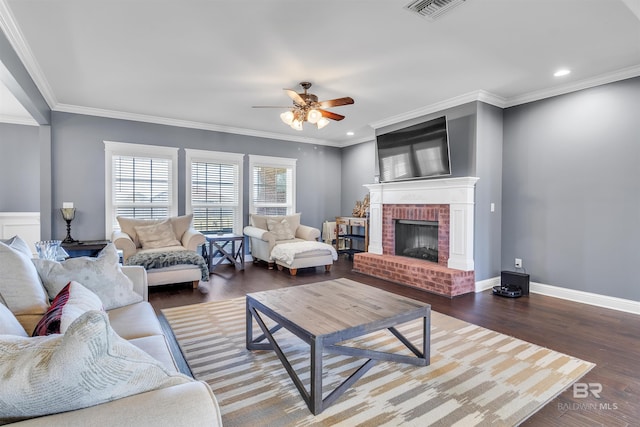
[[518, 263]]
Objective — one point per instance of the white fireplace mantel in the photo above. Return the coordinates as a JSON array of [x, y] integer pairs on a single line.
[[458, 193]]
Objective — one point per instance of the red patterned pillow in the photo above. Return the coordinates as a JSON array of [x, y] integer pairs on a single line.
[[71, 302]]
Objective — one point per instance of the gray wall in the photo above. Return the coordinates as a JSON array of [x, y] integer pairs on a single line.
[[358, 169], [19, 168], [488, 167], [571, 189], [78, 167]]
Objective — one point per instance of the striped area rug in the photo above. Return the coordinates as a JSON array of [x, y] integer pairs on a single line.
[[476, 376]]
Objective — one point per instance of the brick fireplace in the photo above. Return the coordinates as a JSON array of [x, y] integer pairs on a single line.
[[450, 203]]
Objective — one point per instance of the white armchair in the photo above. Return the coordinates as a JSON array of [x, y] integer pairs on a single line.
[[143, 236], [265, 232]]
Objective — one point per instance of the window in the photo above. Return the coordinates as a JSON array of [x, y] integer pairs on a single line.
[[272, 185], [214, 184], [140, 182]]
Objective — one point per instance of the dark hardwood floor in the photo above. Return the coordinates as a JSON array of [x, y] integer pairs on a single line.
[[609, 338]]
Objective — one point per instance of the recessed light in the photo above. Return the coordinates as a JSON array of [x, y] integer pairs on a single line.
[[350, 133], [562, 72]]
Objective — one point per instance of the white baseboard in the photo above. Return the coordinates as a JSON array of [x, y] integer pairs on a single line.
[[614, 303], [483, 285]]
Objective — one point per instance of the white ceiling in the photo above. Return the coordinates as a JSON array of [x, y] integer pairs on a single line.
[[203, 64]]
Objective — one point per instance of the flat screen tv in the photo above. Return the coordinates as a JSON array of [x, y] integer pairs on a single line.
[[419, 151]]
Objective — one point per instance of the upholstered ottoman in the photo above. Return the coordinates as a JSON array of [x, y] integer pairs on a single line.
[[303, 254]]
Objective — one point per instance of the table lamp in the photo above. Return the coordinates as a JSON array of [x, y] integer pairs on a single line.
[[68, 213]]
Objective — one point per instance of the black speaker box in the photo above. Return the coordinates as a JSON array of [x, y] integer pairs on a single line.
[[513, 278]]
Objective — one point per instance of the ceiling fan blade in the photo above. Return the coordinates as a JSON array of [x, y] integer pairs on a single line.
[[295, 96], [269, 106], [330, 115], [336, 102]]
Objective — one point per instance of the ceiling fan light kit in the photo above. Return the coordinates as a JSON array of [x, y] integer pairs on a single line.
[[307, 108]]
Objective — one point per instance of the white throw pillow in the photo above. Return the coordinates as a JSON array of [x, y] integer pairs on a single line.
[[9, 325], [88, 365], [160, 235], [72, 302], [128, 225], [101, 274], [20, 286], [17, 243], [280, 228]]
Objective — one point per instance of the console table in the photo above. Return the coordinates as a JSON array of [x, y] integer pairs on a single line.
[[87, 248], [225, 247], [352, 235]]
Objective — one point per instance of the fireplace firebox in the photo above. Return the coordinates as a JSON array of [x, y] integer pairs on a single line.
[[417, 239]]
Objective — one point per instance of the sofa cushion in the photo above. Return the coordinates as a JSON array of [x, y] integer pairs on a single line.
[[17, 243], [88, 365], [160, 235], [9, 325], [71, 302], [180, 225], [260, 221], [101, 274], [135, 321], [281, 229], [157, 347], [20, 287]]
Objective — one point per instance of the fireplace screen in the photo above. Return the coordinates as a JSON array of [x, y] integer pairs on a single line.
[[417, 239]]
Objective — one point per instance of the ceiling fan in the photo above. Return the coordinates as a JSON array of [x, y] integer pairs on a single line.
[[307, 108]]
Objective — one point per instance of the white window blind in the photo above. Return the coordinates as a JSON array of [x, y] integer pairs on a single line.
[[272, 185], [140, 182], [214, 193]]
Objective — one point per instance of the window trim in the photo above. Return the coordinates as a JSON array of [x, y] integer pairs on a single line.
[[215, 156], [113, 148], [269, 161]]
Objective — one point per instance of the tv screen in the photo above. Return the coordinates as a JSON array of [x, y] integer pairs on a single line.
[[419, 151]]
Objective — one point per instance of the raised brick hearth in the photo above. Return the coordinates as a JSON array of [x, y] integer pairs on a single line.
[[415, 272], [449, 202]]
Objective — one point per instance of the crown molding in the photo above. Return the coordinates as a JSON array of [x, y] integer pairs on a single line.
[[614, 76], [501, 102], [357, 141], [20, 46], [121, 115], [478, 95], [26, 121]]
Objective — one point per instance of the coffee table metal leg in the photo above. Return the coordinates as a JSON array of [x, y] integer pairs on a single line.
[[316, 404], [426, 337], [273, 345]]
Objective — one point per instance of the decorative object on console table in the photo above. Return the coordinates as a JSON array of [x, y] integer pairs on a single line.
[[352, 235], [362, 208], [68, 213], [87, 248], [51, 250]]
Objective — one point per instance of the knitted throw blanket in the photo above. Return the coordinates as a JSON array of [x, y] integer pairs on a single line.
[[150, 260]]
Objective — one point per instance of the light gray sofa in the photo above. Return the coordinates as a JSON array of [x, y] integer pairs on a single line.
[[187, 404]]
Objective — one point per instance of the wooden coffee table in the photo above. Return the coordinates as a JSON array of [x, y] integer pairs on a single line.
[[325, 314]]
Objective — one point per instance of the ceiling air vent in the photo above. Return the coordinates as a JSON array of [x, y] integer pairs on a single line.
[[432, 9]]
